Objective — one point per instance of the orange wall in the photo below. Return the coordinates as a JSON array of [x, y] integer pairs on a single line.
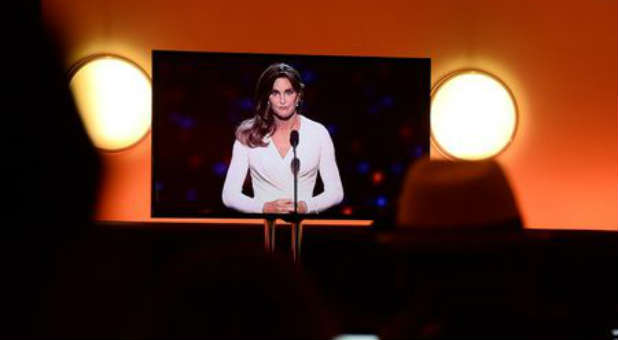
[[558, 57]]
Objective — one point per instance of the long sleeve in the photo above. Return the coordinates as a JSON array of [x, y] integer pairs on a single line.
[[333, 189], [232, 187]]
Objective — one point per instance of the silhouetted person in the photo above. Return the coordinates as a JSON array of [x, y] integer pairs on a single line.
[[49, 169], [438, 194], [229, 293], [472, 272], [466, 283]]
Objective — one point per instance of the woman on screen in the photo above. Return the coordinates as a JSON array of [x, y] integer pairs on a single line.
[[262, 145]]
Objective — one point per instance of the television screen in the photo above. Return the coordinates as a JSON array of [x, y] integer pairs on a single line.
[[222, 124]]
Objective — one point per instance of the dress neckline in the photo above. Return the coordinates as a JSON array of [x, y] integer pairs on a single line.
[[270, 141]]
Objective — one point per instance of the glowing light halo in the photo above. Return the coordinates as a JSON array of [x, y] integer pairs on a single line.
[[474, 115], [113, 97]]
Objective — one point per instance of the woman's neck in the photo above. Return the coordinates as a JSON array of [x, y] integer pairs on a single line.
[[289, 124]]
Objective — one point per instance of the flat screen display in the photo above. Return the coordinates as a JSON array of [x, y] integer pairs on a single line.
[[222, 123]]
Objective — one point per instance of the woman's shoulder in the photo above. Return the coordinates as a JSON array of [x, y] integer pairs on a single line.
[[312, 125], [240, 145], [244, 134], [246, 124]]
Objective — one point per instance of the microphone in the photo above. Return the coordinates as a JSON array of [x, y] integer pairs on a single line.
[[294, 138], [294, 142], [295, 161]]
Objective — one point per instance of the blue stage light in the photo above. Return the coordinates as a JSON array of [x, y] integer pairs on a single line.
[[415, 151], [182, 121], [397, 168], [362, 167], [246, 104], [219, 169], [308, 76], [387, 101], [418, 151], [381, 201], [186, 122], [332, 128]]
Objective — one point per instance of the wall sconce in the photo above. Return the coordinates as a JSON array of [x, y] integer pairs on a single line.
[[113, 97], [473, 115]]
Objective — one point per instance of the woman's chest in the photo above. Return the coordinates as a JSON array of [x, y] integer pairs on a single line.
[[281, 144], [269, 158]]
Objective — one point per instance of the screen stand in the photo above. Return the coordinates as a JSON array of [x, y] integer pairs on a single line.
[[297, 237], [296, 223], [269, 234]]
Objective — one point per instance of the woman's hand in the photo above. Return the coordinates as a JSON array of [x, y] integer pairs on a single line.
[[282, 206]]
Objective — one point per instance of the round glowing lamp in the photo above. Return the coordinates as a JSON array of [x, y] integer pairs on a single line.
[[473, 115], [113, 97]]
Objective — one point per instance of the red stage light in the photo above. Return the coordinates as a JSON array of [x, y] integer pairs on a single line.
[[377, 177]]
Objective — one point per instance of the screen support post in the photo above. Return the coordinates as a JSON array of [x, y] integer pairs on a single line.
[[270, 223], [269, 234], [297, 236]]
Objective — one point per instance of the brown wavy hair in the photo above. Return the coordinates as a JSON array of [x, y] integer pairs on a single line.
[[251, 132]]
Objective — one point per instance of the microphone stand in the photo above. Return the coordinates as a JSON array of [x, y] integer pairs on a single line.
[[296, 228], [295, 166]]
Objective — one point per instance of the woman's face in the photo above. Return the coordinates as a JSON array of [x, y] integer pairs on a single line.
[[283, 98]]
